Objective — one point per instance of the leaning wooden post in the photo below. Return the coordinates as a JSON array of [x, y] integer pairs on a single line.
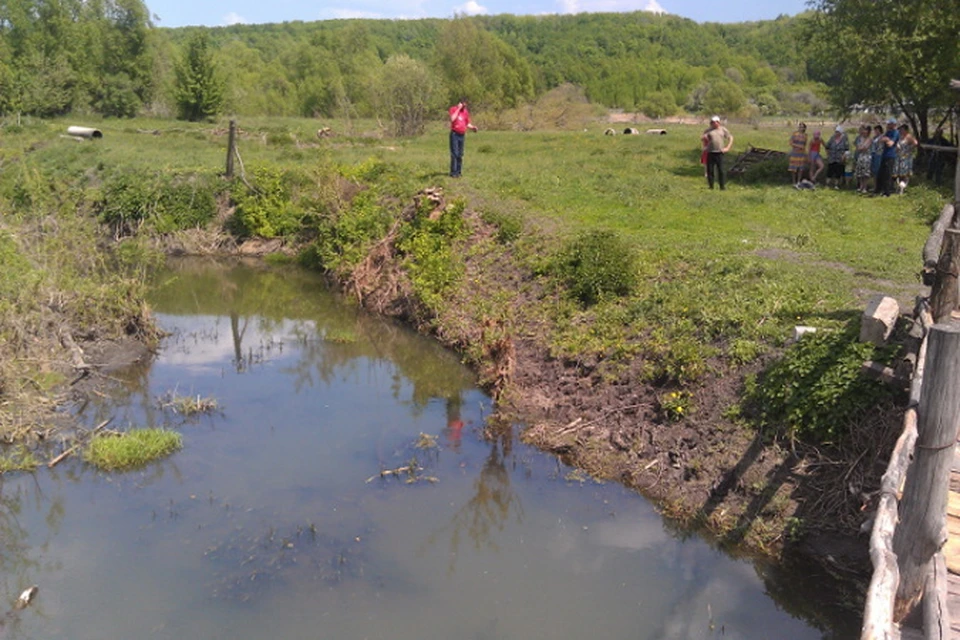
[[231, 148], [923, 509], [944, 294]]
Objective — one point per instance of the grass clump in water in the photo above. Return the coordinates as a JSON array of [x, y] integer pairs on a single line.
[[133, 449], [187, 405], [18, 458]]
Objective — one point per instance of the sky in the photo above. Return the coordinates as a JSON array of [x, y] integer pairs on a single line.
[[216, 13]]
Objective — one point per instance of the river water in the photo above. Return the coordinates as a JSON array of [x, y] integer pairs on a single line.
[[275, 521]]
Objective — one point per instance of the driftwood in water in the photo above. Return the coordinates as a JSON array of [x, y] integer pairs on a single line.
[[66, 454]]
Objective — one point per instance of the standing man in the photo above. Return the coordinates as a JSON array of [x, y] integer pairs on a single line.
[[888, 157], [718, 141], [935, 158], [459, 123]]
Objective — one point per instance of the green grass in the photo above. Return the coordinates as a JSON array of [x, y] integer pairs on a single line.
[[131, 450]]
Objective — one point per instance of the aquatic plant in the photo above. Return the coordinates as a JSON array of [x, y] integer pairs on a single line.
[[131, 450]]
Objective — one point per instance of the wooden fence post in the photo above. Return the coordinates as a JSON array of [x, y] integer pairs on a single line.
[[922, 530], [231, 148], [944, 294]]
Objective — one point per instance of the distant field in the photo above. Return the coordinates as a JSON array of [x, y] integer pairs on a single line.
[[649, 188]]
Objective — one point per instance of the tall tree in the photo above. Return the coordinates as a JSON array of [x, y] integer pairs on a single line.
[[900, 53], [479, 65], [407, 92], [199, 87]]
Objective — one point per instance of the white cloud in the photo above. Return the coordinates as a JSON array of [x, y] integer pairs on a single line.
[[654, 7], [570, 6], [471, 8], [234, 18]]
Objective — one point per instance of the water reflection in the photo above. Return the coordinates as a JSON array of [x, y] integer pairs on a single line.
[[492, 503], [265, 525]]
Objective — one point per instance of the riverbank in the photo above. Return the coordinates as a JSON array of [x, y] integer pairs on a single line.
[[655, 365]]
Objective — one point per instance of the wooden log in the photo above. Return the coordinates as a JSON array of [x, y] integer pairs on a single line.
[[944, 294], [922, 531], [931, 249], [936, 613], [879, 319], [878, 611]]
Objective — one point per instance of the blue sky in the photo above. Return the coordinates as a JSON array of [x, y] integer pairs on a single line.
[[213, 13]]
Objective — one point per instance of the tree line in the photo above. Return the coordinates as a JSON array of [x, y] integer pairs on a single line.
[[107, 57]]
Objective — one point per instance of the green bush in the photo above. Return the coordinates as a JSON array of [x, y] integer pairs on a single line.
[[429, 249], [130, 199], [598, 264], [816, 389], [268, 209], [509, 225], [343, 239]]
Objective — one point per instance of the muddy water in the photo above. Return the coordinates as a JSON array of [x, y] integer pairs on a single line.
[[275, 521]]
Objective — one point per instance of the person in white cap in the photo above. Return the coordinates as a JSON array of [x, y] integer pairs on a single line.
[[718, 141], [837, 147]]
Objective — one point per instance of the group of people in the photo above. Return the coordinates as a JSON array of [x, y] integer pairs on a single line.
[[879, 160]]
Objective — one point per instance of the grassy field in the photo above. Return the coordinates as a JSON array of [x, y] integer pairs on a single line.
[[721, 273]]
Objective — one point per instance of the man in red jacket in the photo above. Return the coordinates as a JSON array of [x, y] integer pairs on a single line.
[[459, 123]]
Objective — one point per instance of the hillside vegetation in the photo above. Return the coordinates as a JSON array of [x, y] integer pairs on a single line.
[[70, 56]]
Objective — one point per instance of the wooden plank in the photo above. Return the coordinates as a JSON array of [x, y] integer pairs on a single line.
[[953, 504]]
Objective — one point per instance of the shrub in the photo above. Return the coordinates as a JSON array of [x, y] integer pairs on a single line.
[[428, 245], [268, 209], [343, 239], [598, 264], [130, 199], [509, 225]]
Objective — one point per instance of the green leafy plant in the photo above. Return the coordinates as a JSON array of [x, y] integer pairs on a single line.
[[817, 388], [509, 226], [268, 208], [597, 264], [676, 405], [428, 244], [344, 238]]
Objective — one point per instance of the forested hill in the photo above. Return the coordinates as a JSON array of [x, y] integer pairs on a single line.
[[639, 60], [58, 56]]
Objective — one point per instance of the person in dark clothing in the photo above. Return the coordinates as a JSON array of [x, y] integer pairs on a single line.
[[888, 143], [935, 157]]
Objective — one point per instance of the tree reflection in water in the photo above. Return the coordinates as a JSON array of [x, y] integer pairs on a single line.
[[493, 502]]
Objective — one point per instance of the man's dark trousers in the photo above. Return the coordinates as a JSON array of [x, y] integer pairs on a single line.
[[885, 177], [715, 159], [456, 153]]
